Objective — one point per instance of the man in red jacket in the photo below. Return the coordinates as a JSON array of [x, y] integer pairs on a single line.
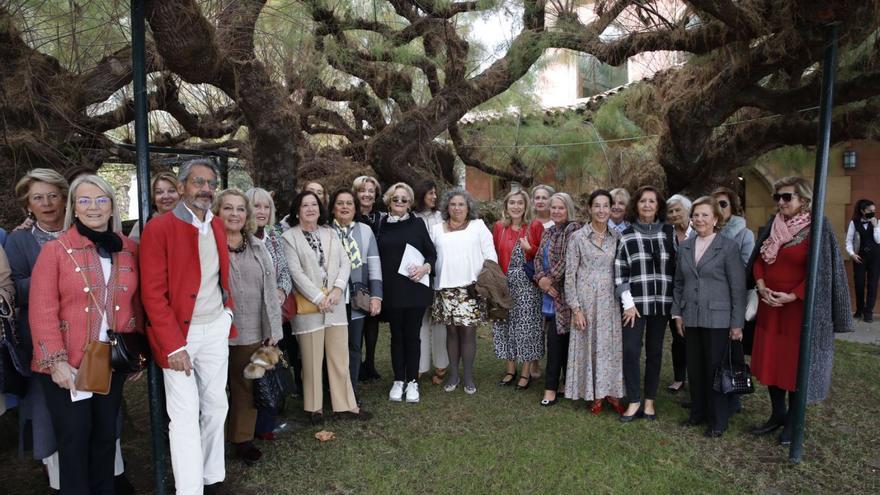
[[185, 291]]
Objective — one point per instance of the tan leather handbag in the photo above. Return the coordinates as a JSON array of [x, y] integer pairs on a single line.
[[94, 371]]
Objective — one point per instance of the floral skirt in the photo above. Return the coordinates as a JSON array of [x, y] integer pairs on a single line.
[[455, 307]]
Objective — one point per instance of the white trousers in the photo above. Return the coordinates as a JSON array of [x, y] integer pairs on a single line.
[[197, 407], [433, 337]]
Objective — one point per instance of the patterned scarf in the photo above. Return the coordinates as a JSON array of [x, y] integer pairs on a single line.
[[782, 232], [346, 235]]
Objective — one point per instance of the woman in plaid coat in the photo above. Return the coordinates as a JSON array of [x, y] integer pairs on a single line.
[[643, 272]]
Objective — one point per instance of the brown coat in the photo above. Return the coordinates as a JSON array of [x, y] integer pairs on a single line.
[[492, 286]]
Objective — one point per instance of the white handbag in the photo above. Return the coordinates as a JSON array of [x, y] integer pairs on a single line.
[[751, 304]]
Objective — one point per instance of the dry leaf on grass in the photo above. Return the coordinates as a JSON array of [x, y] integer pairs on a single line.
[[325, 436]]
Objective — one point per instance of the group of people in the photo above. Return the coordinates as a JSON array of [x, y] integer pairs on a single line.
[[215, 276]]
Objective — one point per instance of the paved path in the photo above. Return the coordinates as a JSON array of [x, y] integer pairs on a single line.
[[866, 333]]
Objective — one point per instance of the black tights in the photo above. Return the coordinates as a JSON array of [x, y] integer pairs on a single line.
[[461, 344], [778, 412], [371, 336]]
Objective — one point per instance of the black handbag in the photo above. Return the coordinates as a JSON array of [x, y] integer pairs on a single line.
[[734, 376], [129, 352], [14, 369], [270, 389]]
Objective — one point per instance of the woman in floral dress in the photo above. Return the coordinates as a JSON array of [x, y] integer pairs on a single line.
[[595, 351]]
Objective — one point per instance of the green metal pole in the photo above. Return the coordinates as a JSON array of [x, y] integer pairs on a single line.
[[139, 79], [826, 103]]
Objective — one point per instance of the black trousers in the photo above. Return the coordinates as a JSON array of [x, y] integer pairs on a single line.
[[707, 347], [371, 337], [86, 434], [355, 334], [406, 343], [653, 327], [679, 354], [866, 271], [557, 355]]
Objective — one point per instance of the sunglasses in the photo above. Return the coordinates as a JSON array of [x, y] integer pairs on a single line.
[[785, 197], [400, 199], [723, 204]]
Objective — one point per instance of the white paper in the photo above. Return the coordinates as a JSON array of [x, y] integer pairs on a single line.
[[412, 257], [80, 395]]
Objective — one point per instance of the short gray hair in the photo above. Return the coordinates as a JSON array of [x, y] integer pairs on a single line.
[[186, 168], [681, 199], [106, 188], [458, 191]]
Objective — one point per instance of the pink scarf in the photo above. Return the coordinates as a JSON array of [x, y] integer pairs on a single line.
[[781, 232]]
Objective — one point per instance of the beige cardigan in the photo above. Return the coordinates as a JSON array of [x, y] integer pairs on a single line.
[[306, 273]]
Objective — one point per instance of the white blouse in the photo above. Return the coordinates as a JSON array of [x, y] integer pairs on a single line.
[[460, 254]]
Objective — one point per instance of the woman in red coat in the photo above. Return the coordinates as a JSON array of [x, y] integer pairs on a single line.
[[780, 272], [84, 284]]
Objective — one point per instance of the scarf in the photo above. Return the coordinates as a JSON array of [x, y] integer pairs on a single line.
[[346, 235], [106, 242], [394, 219], [781, 232]]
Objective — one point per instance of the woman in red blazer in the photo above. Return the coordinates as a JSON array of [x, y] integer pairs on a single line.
[[84, 284]]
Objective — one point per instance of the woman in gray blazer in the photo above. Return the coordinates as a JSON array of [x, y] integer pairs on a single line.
[[709, 300]]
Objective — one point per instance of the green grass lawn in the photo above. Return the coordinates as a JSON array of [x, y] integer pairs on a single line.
[[502, 441]]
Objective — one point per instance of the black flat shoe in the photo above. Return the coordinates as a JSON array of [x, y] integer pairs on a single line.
[[675, 390], [520, 386], [352, 416], [769, 427], [504, 382], [316, 418], [857, 314], [623, 418], [650, 417], [868, 318], [549, 403], [710, 433]]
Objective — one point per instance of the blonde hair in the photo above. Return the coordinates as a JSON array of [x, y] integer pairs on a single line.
[[255, 194], [49, 176], [716, 210], [359, 183], [527, 213], [619, 192], [568, 202], [386, 198], [106, 188], [802, 188], [250, 224], [167, 177]]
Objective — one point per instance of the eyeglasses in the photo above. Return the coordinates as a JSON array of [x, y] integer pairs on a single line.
[[51, 197], [723, 204], [400, 199], [85, 202], [201, 181], [785, 197]]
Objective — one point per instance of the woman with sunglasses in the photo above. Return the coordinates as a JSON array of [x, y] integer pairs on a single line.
[[780, 271], [406, 297], [734, 224], [863, 247]]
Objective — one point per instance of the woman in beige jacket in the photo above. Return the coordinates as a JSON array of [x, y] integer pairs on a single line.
[[320, 271]]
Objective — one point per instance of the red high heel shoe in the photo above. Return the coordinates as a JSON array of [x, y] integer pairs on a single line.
[[615, 403], [596, 408]]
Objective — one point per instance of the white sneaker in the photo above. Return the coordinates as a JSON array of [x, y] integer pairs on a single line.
[[412, 391], [396, 394]]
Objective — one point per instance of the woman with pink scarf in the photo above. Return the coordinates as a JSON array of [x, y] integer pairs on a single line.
[[780, 272]]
